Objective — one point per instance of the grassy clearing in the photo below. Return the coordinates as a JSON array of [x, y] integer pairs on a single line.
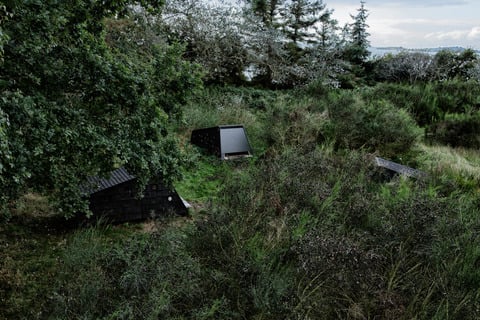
[[453, 164], [458, 161], [201, 181]]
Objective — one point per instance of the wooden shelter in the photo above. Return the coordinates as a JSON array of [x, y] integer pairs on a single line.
[[393, 168], [226, 141], [116, 198]]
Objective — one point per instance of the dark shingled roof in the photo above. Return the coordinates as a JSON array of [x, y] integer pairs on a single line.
[[96, 184]]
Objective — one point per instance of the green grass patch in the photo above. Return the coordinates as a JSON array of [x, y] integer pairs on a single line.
[[31, 248], [202, 180], [456, 164]]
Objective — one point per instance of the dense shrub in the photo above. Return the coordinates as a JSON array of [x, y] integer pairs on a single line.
[[429, 102], [419, 100], [295, 123], [458, 130], [343, 243], [304, 231], [145, 276], [457, 96], [375, 126]]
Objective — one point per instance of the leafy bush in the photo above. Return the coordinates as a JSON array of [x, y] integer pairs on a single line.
[[457, 96], [420, 100], [458, 130], [294, 122], [375, 126], [87, 106], [345, 244], [429, 102]]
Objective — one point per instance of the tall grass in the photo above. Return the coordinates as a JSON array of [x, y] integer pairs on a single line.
[[308, 229], [448, 164]]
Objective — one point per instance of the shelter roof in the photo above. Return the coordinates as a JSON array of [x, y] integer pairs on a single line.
[[97, 183]]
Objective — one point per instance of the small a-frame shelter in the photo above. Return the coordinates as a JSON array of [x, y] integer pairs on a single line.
[[394, 168], [116, 199], [225, 141]]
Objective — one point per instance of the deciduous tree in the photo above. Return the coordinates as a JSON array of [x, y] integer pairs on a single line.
[[405, 66], [73, 105]]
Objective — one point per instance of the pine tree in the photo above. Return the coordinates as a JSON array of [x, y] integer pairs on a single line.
[[327, 31], [359, 43], [298, 38], [299, 18], [267, 10]]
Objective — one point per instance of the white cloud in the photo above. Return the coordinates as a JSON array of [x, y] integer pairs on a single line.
[[416, 23], [402, 3], [471, 34], [474, 33]]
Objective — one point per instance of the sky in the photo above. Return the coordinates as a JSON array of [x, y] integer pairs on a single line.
[[416, 23]]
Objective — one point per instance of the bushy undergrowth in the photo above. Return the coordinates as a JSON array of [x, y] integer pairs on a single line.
[[145, 276], [375, 126], [430, 102], [331, 241], [223, 106], [309, 228], [298, 235], [458, 130]]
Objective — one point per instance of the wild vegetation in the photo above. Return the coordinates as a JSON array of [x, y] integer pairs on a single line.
[[308, 228]]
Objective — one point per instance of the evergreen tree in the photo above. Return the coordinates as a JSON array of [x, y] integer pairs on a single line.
[[267, 10], [327, 31], [357, 48], [299, 18]]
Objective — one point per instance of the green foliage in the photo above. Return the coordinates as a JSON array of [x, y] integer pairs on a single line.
[[295, 121], [29, 247], [371, 125], [457, 96], [302, 231], [4, 15], [458, 130], [459, 165], [447, 65], [430, 102], [146, 276], [356, 49], [220, 106], [200, 181], [357, 246], [419, 100], [267, 10], [73, 106], [299, 18]]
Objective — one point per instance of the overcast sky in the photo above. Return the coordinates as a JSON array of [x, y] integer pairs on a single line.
[[416, 23]]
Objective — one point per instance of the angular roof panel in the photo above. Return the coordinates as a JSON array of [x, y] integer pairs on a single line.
[[399, 168], [96, 184]]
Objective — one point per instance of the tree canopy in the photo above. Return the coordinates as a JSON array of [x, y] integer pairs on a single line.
[[75, 105]]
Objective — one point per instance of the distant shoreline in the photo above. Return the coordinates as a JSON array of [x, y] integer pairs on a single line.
[[381, 51]]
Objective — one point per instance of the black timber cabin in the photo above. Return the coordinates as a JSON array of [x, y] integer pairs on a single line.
[[225, 141], [116, 200]]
